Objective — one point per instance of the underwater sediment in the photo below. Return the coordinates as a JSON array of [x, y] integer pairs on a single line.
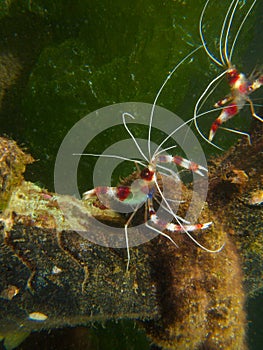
[[184, 297]]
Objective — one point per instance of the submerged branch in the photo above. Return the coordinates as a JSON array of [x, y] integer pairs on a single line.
[[52, 276]]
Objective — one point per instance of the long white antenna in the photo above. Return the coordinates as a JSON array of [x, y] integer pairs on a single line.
[[222, 33], [109, 156], [203, 39], [159, 92], [131, 134], [239, 29], [227, 33]]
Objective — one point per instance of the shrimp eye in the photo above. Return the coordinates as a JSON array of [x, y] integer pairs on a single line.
[[147, 174], [232, 75]]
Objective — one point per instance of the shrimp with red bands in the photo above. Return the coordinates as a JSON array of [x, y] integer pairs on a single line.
[[145, 189], [240, 86]]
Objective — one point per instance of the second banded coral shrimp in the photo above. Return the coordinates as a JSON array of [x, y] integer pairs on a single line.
[[240, 85], [146, 190]]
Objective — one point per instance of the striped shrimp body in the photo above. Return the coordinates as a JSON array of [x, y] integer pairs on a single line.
[[240, 86], [145, 190]]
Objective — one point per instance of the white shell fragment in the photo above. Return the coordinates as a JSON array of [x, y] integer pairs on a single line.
[[56, 270], [37, 316]]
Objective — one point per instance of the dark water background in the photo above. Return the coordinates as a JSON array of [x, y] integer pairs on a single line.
[[69, 58]]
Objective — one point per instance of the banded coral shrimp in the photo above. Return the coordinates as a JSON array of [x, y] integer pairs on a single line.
[[146, 189], [240, 85]]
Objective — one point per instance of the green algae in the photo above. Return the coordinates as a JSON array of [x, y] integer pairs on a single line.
[[97, 54]]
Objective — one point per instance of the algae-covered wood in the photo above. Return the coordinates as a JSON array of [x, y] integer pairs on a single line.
[[51, 276]]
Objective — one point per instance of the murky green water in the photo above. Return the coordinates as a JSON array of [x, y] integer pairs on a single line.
[[70, 58]]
